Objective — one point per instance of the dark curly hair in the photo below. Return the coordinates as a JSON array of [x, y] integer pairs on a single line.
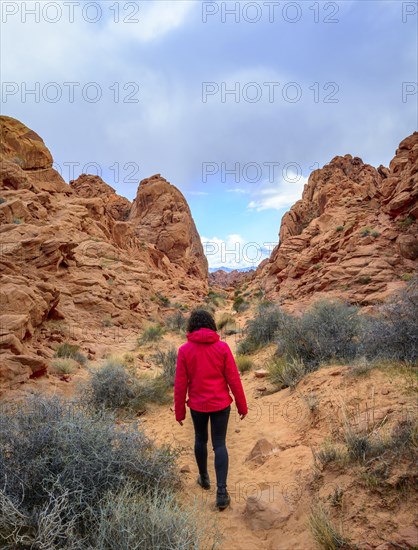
[[200, 318]]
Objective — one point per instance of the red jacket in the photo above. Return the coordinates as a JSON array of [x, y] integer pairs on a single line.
[[205, 368]]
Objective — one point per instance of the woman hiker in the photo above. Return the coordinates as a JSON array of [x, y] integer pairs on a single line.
[[206, 370]]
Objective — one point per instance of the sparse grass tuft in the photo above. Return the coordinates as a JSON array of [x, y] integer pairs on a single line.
[[324, 532], [71, 351], [244, 363], [63, 366], [286, 373], [151, 334]]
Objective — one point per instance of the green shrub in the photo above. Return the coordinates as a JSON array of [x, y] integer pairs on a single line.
[[406, 222], [17, 221], [365, 232], [339, 228], [240, 304], [263, 329], [163, 300], [375, 234], [72, 351], [244, 363], [59, 464], [151, 334], [2, 200]]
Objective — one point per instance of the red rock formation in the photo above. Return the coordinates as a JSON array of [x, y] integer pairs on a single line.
[[71, 261], [352, 235], [224, 279], [162, 216]]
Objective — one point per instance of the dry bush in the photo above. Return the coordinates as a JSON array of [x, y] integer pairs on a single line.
[[58, 462], [167, 360], [393, 333], [263, 329]]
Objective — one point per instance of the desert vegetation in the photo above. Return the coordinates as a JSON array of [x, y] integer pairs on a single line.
[[73, 479], [335, 332]]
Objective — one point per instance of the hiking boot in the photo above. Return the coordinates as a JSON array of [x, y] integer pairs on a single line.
[[204, 481], [222, 498]]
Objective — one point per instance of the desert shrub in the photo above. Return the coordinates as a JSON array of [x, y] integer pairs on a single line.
[[240, 304], [215, 298], [261, 330], [393, 332], [406, 222], [164, 301], [244, 363], [130, 520], [227, 325], [113, 387], [326, 535], [339, 228], [63, 365], [151, 334], [285, 373], [167, 360], [328, 453], [58, 462], [2, 200], [17, 221], [176, 322], [72, 351], [326, 332], [365, 232]]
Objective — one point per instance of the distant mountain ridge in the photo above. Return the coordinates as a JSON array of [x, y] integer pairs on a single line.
[[230, 269]]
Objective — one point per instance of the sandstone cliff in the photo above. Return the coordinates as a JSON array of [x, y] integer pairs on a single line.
[[77, 259], [352, 235]]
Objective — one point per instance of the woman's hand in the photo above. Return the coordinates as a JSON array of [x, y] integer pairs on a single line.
[[242, 416], [180, 422]]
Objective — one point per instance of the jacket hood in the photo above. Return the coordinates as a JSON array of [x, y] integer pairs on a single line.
[[203, 336]]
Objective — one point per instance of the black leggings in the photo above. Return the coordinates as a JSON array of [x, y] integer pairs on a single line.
[[218, 427]]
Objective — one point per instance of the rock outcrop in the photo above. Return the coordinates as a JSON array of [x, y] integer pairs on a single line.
[[76, 260], [225, 279], [162, 216], [352, 235]]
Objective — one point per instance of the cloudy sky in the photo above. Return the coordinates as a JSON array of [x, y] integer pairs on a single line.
[[235, 103]]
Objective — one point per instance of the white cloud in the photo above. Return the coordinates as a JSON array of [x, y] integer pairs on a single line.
[[156, 19], [234, 251], [237, 190], [283, 195]]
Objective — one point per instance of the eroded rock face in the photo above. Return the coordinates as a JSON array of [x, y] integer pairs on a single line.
[[162, 217], [74, 262], [353, 234]]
